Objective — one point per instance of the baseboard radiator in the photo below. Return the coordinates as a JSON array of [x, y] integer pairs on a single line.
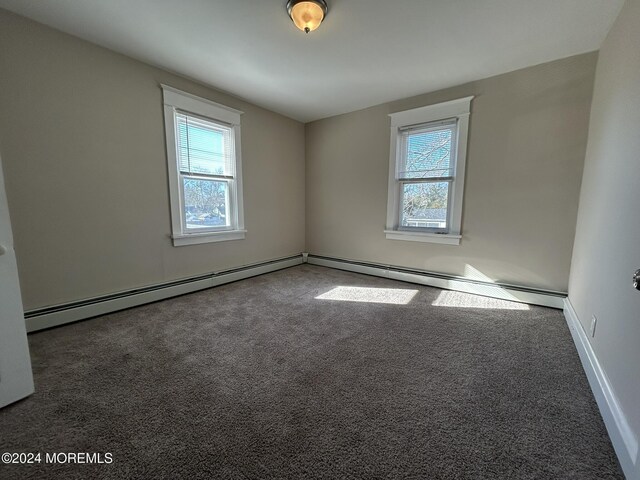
[[71, 312], [56, 315], [514, 293]]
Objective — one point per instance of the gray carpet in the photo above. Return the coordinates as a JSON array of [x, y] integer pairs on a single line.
[[261, 380]]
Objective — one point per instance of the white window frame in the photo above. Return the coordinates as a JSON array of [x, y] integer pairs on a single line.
[[177, 101], [458, 110]]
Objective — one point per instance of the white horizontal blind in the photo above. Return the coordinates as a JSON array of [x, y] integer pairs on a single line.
[[427, 152], [204, 148]]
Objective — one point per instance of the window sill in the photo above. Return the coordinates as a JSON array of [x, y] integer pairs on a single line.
[[207, 237], [446, 239]]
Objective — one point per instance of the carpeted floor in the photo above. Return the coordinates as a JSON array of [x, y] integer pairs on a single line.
[[262, 380]]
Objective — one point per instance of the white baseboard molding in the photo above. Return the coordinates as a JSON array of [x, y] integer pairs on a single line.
[[512, 293], [60, 314], [624, 441]]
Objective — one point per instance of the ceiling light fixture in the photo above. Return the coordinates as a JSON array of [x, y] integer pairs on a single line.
[[307, 14]]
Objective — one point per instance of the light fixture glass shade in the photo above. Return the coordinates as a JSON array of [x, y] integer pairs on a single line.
[[307, 15]]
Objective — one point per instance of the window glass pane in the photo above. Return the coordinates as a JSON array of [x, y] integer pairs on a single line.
[[425, 205], [206, 203], [427, 153], [203, 147]]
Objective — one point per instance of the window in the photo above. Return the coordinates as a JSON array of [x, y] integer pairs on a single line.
[[205, 175], [426, 172]]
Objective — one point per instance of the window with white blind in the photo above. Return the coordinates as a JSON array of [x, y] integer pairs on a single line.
[[426, 173], [205, 181]]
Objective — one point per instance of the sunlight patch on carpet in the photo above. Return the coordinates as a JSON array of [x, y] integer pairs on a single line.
[[466, 300], [392, 296]]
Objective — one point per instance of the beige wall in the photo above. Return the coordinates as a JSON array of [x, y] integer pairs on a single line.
[[527, 142], [83, 145], [82, 141], [607, 243]]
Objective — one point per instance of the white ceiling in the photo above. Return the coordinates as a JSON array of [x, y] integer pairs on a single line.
[[365, 53]]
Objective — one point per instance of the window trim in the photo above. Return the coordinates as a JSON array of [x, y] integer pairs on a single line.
[[177, 101], [458, 110]]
